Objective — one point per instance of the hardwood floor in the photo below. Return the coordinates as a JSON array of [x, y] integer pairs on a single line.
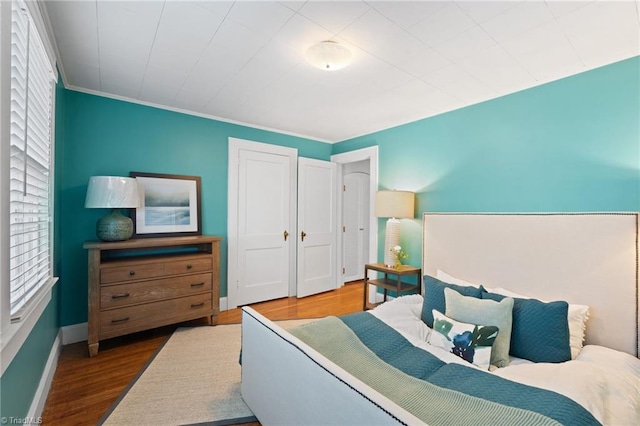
[[84, 388]]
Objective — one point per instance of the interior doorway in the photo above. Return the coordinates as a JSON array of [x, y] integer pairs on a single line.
[[355, 219], [358, 182]]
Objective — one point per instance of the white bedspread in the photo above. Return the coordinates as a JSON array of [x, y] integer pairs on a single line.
[[604, 381]]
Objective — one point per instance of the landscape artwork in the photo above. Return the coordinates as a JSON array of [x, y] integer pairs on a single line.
[[166, 204], [169, 205]]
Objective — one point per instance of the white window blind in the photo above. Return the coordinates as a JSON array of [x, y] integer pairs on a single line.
[[30, 162]]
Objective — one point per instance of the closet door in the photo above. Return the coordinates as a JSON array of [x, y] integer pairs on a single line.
[[263, 218], [355, 230], [261, 222], [317, 243]]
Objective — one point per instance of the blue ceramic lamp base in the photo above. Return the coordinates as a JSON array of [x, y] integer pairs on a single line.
[[114, 227]]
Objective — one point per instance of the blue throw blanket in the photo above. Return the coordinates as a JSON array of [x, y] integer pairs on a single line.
[[391, 347], [433, 391]]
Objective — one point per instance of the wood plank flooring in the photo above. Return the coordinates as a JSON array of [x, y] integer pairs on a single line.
[[84, 388]]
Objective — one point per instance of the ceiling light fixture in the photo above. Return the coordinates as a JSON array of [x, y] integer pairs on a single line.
[[328, 55]]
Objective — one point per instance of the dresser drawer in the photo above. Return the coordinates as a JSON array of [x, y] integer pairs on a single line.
[[141, 271], [116, 322], [132, 272], [114, 296], [187, 266]]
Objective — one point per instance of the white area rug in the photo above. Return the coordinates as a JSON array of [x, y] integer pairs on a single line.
[[193, 379]]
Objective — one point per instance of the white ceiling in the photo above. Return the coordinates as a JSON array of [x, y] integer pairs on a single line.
[[244, 61]]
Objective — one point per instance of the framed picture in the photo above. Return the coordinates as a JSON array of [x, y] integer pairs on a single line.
[[169, 205]]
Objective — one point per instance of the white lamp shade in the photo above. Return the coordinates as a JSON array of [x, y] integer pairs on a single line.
[[328, 56], [398, 204], [112, 192]]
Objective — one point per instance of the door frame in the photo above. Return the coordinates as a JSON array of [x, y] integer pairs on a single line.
[[235, 146], [370, 154]]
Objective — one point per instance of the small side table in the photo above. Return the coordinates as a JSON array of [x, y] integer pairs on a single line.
[[388, 283]]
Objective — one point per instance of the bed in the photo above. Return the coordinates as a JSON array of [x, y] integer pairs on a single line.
[[389, 365]]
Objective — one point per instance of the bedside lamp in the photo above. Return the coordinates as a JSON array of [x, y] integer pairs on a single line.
[[113, 192], [394, 205]]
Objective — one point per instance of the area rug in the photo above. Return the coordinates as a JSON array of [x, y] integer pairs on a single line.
[[194, 378]]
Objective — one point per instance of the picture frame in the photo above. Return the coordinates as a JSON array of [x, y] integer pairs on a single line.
[[170, 205]]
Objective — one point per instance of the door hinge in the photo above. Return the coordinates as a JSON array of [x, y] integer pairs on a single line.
[[344, 188], [344, 228], [343, 271]]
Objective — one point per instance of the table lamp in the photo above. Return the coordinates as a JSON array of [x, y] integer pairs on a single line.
[[117, 193], [394, 205]]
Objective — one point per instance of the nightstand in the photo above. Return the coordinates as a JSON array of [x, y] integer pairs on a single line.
[[389, 282]]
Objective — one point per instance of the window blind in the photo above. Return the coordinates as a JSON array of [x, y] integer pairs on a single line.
[[30, 162]]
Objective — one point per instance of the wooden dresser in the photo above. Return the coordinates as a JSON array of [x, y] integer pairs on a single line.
[[144, 283]]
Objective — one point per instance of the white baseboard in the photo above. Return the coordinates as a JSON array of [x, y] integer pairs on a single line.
[[224, 305], [75, 333], [379, 297], [40, 398]]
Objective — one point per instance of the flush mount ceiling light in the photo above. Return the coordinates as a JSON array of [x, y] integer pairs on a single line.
[[328, 56]]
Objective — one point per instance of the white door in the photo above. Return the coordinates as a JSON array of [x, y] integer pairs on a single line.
[[316, 226], [355, 221], [264, 232]]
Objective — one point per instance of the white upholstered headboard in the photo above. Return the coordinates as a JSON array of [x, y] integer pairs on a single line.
[[583, 258]]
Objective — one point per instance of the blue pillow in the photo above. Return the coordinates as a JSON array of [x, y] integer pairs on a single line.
[[539, 331], [434, 296]]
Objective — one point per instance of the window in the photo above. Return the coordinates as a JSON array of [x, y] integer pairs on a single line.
[[27, 82], [30, 162]]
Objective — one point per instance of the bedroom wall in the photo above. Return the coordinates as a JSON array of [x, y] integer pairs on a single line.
[[105, 136], [567, 146]]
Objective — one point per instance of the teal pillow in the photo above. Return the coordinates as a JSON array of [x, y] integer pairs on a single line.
[[540, 331], [486, 312], [434, 296]]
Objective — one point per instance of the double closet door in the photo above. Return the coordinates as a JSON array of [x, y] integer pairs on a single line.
[[282, 224]]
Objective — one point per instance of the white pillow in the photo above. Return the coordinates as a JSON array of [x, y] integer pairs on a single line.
[[577, 317], [443, 276]]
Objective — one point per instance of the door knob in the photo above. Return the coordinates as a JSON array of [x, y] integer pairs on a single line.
[[302, 235], [286, 235]]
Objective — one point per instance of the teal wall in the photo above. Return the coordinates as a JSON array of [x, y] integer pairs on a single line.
[[20, 380], [104, 136], [572, 145]]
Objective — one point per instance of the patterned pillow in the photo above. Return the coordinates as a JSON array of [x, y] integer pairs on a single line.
[[470, 342]]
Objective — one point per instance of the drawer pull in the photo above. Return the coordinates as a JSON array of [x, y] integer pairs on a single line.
[[132, 273], [197, 305], [189, 266], [194, 285], [119, 320], [120, 296]]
